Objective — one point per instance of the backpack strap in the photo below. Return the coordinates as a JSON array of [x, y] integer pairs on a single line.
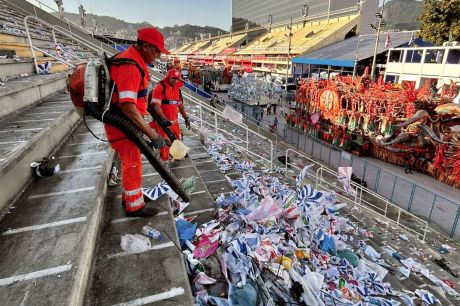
[[163, 94], [127, 61]]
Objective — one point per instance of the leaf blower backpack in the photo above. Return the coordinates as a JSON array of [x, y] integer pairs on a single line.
[[90, 91]]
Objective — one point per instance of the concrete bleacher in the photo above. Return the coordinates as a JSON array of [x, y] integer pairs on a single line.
[[312, 35], [49, 226], [194, 47], [219, 45]]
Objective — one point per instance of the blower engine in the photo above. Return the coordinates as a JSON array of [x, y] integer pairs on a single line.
[[89, 87]]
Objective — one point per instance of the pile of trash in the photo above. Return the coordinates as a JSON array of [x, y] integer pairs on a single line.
[[276, 244]]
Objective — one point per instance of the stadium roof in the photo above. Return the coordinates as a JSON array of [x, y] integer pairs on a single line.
[[344, 52]]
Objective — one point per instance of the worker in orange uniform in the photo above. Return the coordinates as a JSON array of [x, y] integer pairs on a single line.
[[130, 78], [168, 102]]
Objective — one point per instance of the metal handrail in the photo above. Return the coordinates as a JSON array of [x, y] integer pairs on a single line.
[[217, 129], [33, 48], [318, 140], [358, 200], [78, 38], [68, 21], [53, 56], [243, 126], [213, 110], [63, 31]]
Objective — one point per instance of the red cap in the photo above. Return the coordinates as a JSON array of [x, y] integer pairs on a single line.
[[174, 73], [152, 36]]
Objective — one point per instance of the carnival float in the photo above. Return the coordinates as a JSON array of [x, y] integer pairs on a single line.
[[217, 77], [256, 90], [387, 121]]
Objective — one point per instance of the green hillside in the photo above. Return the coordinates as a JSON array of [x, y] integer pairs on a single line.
[[402, 14]]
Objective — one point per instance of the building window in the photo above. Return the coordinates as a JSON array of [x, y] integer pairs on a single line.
[[390, 78], [414, 56], [453, 57], [396, 56], [434, 56]]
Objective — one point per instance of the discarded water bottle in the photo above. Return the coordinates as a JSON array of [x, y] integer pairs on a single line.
[[152, 233]]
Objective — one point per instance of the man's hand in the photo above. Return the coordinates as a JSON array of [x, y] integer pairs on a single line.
[[157, 143], [187, 123], [166, 122]]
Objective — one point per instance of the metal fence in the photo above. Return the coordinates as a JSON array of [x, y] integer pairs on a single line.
[[440, 212], [364, 198]]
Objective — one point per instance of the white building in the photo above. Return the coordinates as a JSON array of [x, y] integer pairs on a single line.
[[424, 64]]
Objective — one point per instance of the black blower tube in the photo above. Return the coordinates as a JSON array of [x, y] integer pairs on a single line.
[[135, 135], [157, 118]]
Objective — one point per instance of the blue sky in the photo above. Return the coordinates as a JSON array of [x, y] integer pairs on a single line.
[[160, 13]]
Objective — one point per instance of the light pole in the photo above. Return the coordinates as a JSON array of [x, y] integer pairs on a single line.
[[380, 24], [356, 58], [305, 13], [328, 11], [289, 55]]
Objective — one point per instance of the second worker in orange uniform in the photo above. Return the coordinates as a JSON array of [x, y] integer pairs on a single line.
[[168, 102]]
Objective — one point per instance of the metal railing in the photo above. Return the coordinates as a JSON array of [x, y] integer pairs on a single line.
[[42, 5], [209, 116], [34, 48], [436, 209], [363, 198], [58, 29], [96, 48]]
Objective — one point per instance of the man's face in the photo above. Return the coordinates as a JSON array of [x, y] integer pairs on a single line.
[[172, 81], [150, 53]]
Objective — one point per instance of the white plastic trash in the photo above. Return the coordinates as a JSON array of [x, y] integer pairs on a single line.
[[178, 150], [135, 243]]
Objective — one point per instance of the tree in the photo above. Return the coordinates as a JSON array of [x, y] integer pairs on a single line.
[[439, 20]]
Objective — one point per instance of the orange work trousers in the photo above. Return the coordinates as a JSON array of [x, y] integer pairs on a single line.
[[131, 174], [175, 129]]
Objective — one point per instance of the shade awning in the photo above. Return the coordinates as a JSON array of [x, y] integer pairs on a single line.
[[346, 52]]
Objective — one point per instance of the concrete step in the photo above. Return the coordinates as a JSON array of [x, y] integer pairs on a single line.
[[12, 68], [20, 93], [29, 136], [38, 42], [49, 234]]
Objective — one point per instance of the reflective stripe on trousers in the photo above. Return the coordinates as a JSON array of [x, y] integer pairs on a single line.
[[131, 173]]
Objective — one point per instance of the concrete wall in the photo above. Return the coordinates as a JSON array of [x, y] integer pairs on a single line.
[[15, 174], [10, 67], [19, 96]]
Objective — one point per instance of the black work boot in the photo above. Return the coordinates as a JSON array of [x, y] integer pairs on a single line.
[[146, 199], [144, 212]]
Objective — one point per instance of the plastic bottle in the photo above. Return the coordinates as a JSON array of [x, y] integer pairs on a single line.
[[152, 233]]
